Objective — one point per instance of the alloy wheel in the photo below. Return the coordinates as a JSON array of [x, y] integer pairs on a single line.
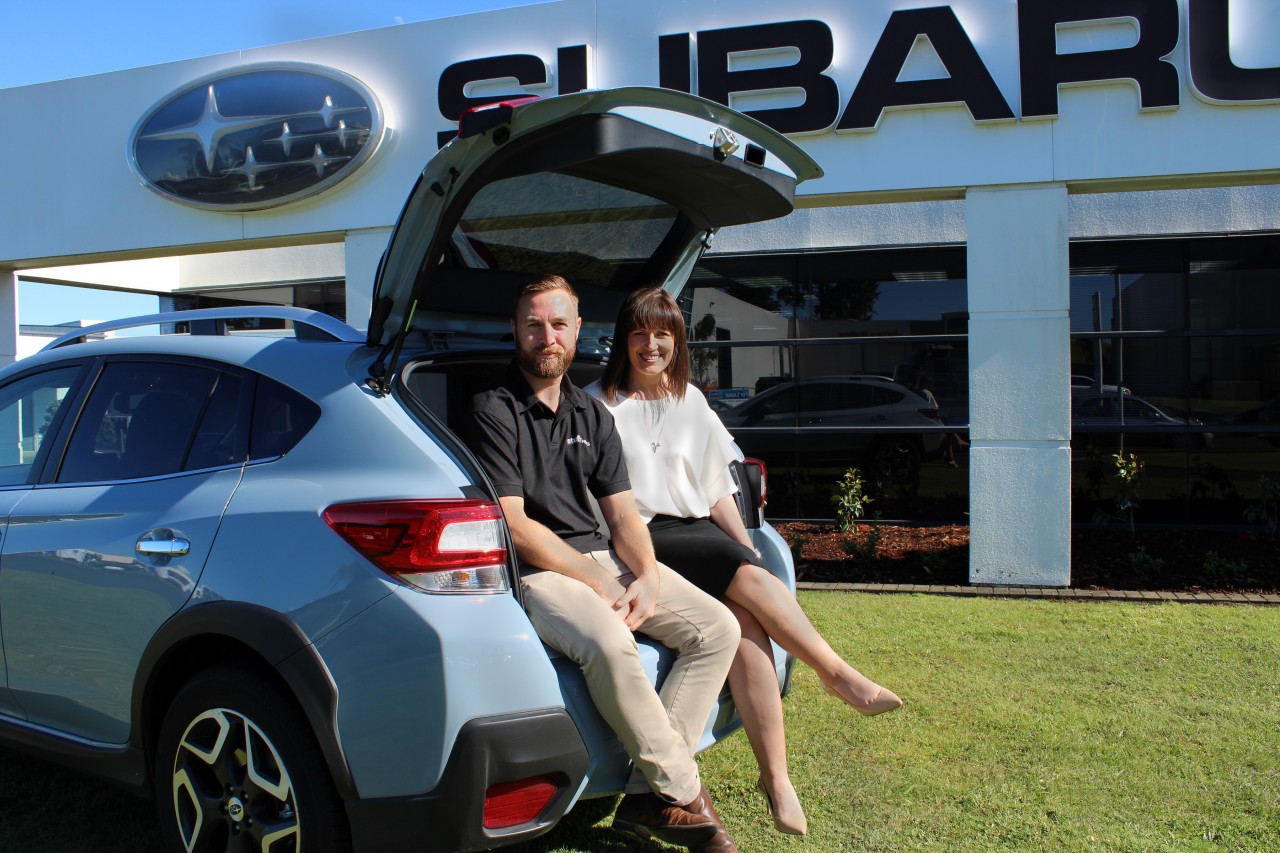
[[231, 789]]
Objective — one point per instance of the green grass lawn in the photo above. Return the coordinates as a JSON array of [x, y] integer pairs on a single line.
[[1028, 725]]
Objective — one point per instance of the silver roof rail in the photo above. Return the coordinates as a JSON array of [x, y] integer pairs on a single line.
[[307, 325]]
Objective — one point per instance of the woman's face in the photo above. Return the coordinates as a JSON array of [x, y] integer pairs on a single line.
[[650, 351]]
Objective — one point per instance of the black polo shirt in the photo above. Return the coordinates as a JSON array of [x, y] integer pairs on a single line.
[[551, 459]]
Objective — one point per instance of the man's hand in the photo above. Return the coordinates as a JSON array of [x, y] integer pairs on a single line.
[[637, 604]]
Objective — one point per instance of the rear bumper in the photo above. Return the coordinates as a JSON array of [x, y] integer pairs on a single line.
[[488, 751]]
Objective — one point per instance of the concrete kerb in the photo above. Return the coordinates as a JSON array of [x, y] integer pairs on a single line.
[[1049, 593]]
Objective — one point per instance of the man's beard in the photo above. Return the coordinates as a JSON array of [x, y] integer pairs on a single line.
[[546, 364]]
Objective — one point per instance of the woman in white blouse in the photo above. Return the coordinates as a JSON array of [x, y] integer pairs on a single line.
[[678, 456]]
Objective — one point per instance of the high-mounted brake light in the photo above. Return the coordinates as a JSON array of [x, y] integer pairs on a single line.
[[436, 545], [477, 120]]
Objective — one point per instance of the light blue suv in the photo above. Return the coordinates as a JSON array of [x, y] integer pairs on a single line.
[[250, 571]]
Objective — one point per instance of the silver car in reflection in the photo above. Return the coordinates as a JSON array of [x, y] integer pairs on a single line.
[[1143, 423], [864, 421]]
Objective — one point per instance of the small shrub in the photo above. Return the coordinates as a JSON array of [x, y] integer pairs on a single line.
[[1127, 471], [1266, 511], [932, 562], [1147, 564], [1212, 481], [851, 500], [1220, 571], [862, 543], [797, 543]]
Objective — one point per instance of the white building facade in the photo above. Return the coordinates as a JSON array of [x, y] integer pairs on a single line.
[[1046, 213]]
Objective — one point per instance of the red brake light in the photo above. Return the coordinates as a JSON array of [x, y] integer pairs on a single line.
[[477, 120], [441, 545], [931, 414], [764, 479], [513, 803]]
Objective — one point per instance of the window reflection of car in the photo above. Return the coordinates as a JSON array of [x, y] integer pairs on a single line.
[[1081, 384], [844, 421], [1146, 423], [1265, 415], [721, 406]]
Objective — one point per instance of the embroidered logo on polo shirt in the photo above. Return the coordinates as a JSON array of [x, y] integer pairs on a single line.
[[577, 439]]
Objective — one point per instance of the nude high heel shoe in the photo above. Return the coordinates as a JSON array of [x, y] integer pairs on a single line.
[[886, 700], [795, 826]]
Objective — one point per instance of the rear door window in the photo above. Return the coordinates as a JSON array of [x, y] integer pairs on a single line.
[[146, 419]]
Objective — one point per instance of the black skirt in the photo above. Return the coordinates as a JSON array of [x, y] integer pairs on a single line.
[[700, 551]]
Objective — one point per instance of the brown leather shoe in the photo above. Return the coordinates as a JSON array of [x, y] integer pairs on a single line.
[[691, 825], [720, 842]]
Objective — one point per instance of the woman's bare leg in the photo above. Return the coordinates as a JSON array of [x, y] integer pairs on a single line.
[[754, 683], [767, 599]]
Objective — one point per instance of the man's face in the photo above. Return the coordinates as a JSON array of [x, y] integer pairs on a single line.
[[546, 327]]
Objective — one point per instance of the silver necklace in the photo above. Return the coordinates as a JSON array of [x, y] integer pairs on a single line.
[[655, 418]]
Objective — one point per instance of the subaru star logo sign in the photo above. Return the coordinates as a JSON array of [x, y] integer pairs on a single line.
[[257, 136]]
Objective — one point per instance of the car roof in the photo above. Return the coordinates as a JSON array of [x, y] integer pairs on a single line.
[[313, 367]]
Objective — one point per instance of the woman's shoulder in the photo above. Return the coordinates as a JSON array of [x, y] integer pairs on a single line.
[[695, 399], [694, 393]]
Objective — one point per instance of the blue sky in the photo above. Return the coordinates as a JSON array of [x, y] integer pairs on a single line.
[[75, 38]]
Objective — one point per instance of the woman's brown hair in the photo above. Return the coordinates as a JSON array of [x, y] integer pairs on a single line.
[[647, 308]]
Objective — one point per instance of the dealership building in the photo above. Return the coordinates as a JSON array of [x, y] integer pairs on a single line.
[[1047, 231]]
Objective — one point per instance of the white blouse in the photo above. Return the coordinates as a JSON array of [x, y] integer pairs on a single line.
[[678, 453]]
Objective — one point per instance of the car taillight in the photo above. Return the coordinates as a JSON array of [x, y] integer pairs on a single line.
[[436, 545], [764, 479], [931, 414], [513, 803]]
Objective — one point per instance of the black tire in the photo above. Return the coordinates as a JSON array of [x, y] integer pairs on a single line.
[[238, 769]]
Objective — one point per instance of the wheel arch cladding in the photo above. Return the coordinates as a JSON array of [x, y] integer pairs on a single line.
[[205, 635]]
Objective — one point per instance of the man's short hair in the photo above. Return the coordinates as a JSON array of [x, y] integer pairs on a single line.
[[544, 283]]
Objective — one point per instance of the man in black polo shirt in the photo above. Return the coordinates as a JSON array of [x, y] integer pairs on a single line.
[[546, 446]]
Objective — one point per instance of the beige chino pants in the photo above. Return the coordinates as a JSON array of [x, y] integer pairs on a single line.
[[659, 730]]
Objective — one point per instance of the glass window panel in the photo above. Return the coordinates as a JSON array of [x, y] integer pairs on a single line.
[[882, 293], [223, 435], [29, 409], [1127, 302], [139, 421], [281, 417], [1236, 380], [1153, 369], [1163, 486], [730, 288], [547, 221], [1235, 299], [812, 411]]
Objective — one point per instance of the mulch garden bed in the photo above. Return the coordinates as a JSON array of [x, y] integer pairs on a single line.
[[1173, 560]]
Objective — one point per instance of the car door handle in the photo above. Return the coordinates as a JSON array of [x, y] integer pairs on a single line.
[[164, 547]]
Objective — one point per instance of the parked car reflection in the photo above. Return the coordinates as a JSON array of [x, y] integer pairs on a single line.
[[1266, 415], [1081, 384], [869, 422], [1143, 423]]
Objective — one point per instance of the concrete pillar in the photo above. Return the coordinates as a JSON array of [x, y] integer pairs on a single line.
[[363, 252], [1019, 386], [8, 316]]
